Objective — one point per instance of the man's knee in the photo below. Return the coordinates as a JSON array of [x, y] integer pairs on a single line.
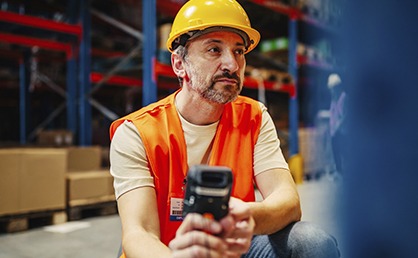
[[308, 240], [300, 239]]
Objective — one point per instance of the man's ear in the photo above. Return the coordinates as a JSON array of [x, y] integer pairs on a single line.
[[178, 65]]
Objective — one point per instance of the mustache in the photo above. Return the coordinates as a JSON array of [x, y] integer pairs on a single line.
[[228, 76]]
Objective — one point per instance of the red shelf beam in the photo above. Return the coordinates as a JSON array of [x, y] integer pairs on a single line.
[[106, 53], [168, 7], [163, 70], [278, 7], [160, 70], [41, 23], [116, 80], [42, 43], [252, 83]]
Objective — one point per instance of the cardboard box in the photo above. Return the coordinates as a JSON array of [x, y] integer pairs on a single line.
[[55, 138], [88, 187], [32, 179], [84, 158], [9, 174], [43, 179]]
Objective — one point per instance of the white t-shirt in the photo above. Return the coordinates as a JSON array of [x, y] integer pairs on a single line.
[[129, 163]]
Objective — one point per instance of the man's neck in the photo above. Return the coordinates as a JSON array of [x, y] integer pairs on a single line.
[[197, 110]]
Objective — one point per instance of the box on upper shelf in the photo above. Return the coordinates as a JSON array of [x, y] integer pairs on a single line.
[[55, 138]]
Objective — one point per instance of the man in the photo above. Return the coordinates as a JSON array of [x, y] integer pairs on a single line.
[[337, 120], [207, 122]]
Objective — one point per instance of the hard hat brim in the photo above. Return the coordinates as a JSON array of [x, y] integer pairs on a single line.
[[252, 34]]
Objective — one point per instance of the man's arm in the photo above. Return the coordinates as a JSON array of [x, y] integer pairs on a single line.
[[141, 232], [140, 225], [281, 204]]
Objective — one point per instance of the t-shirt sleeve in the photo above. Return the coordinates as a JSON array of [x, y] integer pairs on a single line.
[[128, 160], [267, 151]]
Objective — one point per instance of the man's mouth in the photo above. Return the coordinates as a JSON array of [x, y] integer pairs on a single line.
[[227, 81]]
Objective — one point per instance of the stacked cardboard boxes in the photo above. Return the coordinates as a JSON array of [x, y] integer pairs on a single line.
[[44, 179], [87, 182], [314, 148]]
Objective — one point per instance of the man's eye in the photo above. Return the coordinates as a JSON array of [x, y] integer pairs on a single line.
[[240, 51], [214, 50]]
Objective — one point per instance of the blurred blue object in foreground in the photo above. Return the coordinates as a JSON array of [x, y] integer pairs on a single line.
[[380, 46]]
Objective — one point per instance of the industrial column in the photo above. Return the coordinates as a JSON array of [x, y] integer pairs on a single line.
[[23, 99], [85, 132], [149, 25], [295, 159]]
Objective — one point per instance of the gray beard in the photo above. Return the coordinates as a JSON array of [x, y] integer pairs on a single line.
[[218, 96]]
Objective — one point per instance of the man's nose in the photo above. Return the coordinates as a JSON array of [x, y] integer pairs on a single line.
[[229, 62]]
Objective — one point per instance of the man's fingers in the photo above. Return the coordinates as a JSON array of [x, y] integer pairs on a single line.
[[194, 221], [197, 238], [243, 228], [198, 243], [239, 239]]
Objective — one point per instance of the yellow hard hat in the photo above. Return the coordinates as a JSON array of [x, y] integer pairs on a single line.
[[199, 16]]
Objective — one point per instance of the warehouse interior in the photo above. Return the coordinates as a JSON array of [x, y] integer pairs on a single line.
[[70, 68]]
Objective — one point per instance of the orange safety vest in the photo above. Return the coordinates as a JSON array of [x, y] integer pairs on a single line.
[[160, 129]]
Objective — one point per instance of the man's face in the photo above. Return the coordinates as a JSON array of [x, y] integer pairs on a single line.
[[215, 66]]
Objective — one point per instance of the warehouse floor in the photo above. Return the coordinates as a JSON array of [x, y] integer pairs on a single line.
[[100, 236]]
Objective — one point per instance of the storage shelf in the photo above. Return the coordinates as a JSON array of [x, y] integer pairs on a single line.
[[295, 61], [31, 31], [44, 32], [43, 24]]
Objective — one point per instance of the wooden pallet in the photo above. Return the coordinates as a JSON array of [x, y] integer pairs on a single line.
[[24, 221], [81, 209]]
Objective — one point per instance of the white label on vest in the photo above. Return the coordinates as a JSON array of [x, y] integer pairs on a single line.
[[176, 209]]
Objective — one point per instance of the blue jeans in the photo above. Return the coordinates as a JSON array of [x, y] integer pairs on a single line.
[[300, 239]]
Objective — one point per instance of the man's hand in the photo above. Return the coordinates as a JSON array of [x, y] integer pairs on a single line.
[[238, 228], [196, 237], [202, 237]]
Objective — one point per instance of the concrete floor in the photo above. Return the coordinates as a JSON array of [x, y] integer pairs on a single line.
[[100, 236]]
